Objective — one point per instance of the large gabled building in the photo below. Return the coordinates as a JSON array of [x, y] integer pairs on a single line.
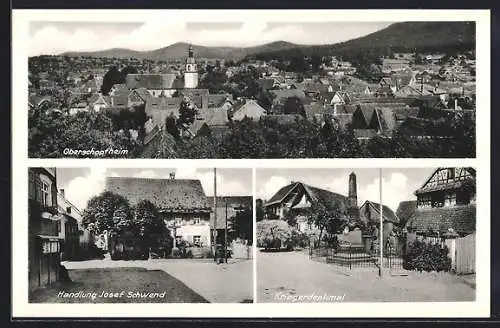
[[182, 203], [298, 198]]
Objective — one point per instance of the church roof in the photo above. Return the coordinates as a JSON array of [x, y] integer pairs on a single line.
[[152, 81]]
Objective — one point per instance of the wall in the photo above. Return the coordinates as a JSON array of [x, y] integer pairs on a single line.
[[188, 231]]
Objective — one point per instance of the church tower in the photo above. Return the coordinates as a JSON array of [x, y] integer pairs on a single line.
[[191, 72]]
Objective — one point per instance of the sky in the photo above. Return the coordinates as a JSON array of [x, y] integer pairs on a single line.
[[160, 30], [397, 184], [80, 184]]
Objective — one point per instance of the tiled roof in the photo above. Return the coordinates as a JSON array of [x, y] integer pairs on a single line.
[[283, 94], [151, 81], [170, 105], [367, 110], [316, 195], [387, 213], [316, 87], [217, 100], [315, 110], [167, 194], [406, 212], [462, 219], [250, 109]]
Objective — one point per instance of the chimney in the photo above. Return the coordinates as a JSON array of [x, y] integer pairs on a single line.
[[61, 191]]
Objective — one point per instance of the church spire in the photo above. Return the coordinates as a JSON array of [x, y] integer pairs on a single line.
[[190, 51]]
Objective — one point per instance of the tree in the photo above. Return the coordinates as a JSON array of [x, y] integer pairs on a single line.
[[113, 76], [149, 224], [259, 210], [330, 219], [105, 211], [315, 63], [187, 115], [214, 81], [52, 131], [243, 224]]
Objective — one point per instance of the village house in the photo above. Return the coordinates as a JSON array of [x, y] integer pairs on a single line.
[[380, 118], [446, 201], [370, 215], [184, 207], [98, 101], [298, 199], [76, 238], [394, 65], [247, 109], [44, 241], [445, 212]]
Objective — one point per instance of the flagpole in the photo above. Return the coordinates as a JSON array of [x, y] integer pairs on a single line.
[[215, 211], [381, 228]]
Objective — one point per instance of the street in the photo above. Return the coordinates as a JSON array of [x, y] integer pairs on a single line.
[[292, 276], [183, 280]]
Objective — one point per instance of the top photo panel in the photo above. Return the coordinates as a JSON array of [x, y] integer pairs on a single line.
[[163, 88]]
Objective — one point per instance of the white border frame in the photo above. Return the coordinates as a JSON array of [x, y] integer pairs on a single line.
[[20, 305]]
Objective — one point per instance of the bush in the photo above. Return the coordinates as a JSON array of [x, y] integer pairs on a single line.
[[277, 234], [424, 256], [272, 234], [297, 239]]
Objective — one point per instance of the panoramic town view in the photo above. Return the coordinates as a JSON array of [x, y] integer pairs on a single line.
[[399, 89], [120, 235], [319, 234]]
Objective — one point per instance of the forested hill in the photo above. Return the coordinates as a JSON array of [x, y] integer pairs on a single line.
[[447, 37], [179, 51]]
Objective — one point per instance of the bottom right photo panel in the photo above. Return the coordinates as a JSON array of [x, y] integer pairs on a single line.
[[366, 235]]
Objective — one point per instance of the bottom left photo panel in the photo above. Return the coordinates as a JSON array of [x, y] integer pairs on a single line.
[[140, 235]]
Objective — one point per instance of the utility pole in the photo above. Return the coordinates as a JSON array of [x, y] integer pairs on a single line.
[[225, 237], [215, 211], [381, 228]]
